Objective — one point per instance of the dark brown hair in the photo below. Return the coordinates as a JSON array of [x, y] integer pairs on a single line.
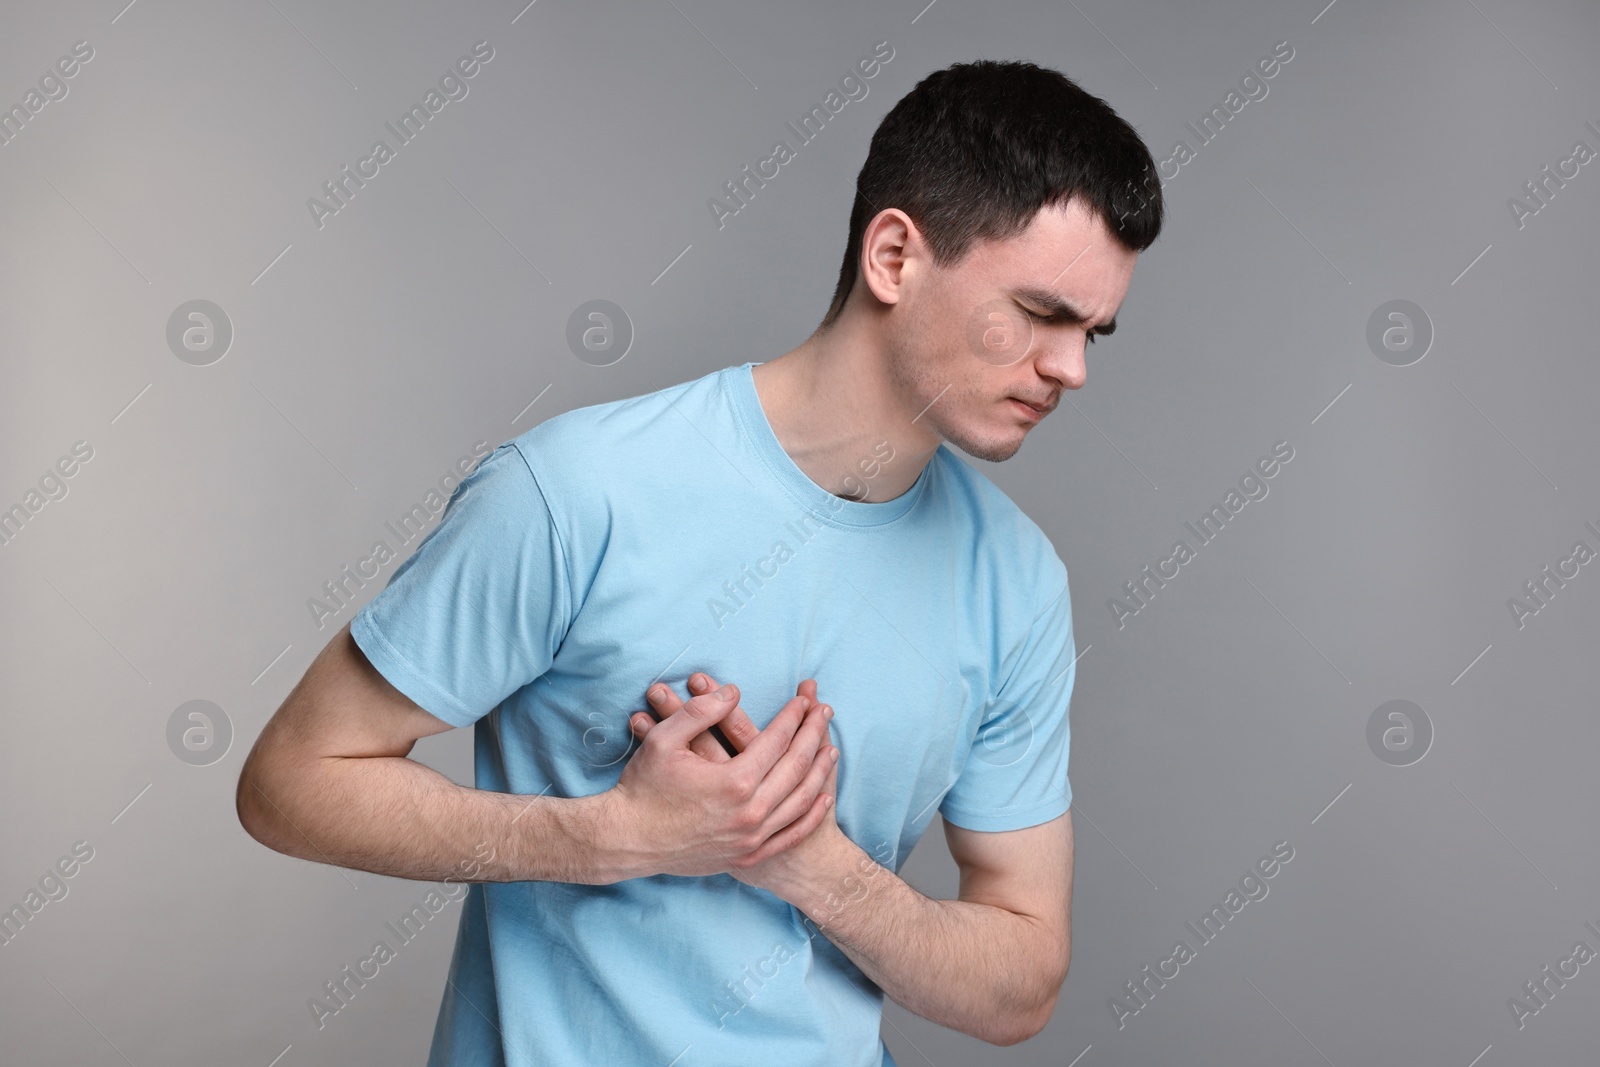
[[975, 150]]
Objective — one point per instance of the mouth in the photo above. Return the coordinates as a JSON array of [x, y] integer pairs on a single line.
[[1029, 411]]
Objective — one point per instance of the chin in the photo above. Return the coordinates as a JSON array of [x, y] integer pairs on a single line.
[[986, 434], [994, 449]]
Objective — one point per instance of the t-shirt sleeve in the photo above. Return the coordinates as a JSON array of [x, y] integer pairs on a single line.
[[1016, 772], [480, 608]]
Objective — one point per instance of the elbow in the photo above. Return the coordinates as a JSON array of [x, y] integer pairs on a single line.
[[254, 812], [1024, 1025], [245, 804], [1022, 1028]]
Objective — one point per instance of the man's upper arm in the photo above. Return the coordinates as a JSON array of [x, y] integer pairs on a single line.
[[343, 707], [1008, 818], [473, 614], [1027, 872]]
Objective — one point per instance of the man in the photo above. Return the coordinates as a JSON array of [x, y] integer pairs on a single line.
[[640, 895]]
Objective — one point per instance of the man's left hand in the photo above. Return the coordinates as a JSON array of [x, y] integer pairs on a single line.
[[786, 869]]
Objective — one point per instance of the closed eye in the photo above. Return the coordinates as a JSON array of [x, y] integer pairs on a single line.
[[1036, 317]]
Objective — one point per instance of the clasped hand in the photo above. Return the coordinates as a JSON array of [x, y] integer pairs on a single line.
[[689, 808]]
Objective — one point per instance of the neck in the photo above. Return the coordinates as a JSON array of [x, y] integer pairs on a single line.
[[840, 414]]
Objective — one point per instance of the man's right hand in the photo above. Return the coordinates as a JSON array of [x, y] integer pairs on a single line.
[[676, 811]]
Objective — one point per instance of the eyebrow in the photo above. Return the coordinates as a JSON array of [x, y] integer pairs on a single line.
[[1057, 308]]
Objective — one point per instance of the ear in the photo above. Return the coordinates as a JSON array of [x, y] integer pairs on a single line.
[[890, 241]]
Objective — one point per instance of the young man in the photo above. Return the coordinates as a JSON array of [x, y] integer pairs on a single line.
[[639, 895]]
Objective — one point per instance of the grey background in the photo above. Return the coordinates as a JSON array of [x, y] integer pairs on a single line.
[[368, 355]]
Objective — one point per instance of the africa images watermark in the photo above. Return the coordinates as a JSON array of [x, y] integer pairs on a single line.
[[1252, 88], [341, 989], [340, 590], [1140, 591], [52, 486], [811, 125], [52, 87], [1216, 120], [1538, 590], [1539, 991], [52, 886], [1252, 887], [339, 190], [1543, 189]]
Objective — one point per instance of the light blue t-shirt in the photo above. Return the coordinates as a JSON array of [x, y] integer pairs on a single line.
[[669, 533]]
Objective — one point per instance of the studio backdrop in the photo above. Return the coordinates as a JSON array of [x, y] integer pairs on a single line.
[[274, 274]]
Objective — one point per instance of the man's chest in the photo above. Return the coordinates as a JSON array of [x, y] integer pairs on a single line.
[[900, 634]]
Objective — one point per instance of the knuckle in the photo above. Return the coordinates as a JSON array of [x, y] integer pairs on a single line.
[[743, 784]]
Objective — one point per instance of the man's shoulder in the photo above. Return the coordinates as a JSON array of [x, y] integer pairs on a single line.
[[987, 502], [605, 442], [1002, 529]]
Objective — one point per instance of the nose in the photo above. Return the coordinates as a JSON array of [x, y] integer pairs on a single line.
[[1063, 359]]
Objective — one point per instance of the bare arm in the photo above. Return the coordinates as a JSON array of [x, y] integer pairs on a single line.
[[990, 963], [329, 780]]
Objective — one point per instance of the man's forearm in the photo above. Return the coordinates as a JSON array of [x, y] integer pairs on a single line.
[[972, 967], [392, 815]]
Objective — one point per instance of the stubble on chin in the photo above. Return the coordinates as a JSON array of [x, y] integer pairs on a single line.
[[992, 448], [938, 397]]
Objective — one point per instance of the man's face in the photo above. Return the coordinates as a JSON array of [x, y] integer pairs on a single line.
[[1007, 327]]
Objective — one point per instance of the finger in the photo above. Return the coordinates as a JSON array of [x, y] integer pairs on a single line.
[[662, 702], [640, 724], [771, 743], [790, 835], [666, 702], [807, 688], [737, 727], [804, 751], [799, 801], [697, 715]]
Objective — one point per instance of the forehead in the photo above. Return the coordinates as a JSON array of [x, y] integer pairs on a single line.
[[1064, 249]]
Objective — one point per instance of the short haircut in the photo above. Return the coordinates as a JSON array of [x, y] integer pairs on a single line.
[[974, 151]]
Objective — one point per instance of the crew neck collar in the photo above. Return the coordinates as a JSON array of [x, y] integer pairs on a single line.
[[813, 497]]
